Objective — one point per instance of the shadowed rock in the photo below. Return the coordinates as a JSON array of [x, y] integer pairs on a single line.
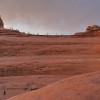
[[1, 23]]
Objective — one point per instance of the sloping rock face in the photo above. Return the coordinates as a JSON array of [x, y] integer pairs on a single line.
[[91, 31], [82, 87], [1, 23]]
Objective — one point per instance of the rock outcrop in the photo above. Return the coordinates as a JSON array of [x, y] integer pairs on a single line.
[[1, 23], [93, 30]]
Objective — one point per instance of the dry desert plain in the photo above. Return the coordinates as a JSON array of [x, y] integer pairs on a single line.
[[49, 67]]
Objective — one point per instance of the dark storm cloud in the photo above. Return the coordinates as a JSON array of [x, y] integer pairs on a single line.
[[61, 16]]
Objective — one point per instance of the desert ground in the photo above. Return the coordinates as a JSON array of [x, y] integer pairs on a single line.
[[33, 63]]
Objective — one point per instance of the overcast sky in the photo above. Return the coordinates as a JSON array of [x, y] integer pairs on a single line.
[[52, 16]]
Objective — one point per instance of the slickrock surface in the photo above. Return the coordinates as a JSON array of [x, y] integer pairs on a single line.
[[47, 59], [81, 87]]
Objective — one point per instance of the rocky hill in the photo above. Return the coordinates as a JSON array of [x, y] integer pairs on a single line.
[[91, 31]]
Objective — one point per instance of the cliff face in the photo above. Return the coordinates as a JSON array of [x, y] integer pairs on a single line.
[[93, 30]]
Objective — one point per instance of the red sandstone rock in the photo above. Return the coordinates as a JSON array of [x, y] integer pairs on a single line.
[[91, 31], [82, 87]]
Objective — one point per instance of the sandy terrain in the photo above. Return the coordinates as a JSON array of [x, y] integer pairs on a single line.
[[80, 87], [37, 61]]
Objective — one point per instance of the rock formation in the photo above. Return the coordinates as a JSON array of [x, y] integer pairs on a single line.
[[1, 23], [93, 30]]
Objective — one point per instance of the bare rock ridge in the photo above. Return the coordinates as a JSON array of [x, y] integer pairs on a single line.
[[93, 30]]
